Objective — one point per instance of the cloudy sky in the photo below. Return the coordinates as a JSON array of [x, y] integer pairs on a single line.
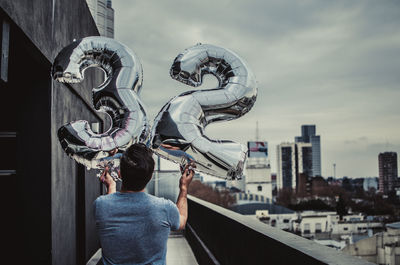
[[335, 64]]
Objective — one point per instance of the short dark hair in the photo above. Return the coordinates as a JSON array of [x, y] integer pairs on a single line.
[[137, 166]]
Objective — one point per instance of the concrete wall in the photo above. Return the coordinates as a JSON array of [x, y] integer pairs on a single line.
[[68, 106], [56, 195]]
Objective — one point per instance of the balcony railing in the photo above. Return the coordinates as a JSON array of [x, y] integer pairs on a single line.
[[221, 236]]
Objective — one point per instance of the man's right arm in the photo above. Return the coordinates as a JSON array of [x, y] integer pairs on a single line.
[[108, 181], [181, 203]]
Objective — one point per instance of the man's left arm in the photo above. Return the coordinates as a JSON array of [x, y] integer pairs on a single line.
[[181, 203]]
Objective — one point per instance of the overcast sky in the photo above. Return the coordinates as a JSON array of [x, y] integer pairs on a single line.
[[335, 64]]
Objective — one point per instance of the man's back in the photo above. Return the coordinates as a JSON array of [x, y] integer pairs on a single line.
[[133, 227]]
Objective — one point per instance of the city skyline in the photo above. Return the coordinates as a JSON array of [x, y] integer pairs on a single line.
[[332, 64]]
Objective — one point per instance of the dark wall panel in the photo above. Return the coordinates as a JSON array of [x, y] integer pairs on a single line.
[[25, 108], [54, 219]]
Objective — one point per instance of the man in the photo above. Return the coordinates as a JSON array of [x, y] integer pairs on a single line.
[[133, 226]]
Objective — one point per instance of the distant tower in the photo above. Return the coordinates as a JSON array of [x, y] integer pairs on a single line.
[[387, 171], [258, 170], [103, 15], [308, 135]]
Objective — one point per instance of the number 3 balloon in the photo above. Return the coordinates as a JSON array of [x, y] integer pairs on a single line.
[[178, 130], [117, 96]]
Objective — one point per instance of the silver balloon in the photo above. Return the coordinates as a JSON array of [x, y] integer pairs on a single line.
[[178, 130], [118, 96]]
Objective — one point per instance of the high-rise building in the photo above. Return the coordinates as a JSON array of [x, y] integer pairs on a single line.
[[293, 159], [103, 15], [308, 135], [388, 174], [286, 170]]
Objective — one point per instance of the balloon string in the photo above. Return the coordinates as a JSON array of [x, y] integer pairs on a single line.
[[153, 179], [163, 177]]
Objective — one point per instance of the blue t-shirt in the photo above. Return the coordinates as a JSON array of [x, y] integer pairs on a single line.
[[133, 227]]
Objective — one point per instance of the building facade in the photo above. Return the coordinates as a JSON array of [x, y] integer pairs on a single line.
[[293, 159], [103, 15], [49, 203], [388, 173], [308, 135]]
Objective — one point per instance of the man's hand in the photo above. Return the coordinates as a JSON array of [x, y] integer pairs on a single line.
[[108, 181], [184, 182], [187, 177]]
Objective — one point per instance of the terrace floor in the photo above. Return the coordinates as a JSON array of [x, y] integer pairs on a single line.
[[179, 251]]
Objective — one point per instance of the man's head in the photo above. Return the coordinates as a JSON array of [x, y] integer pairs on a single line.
[[137, 166]]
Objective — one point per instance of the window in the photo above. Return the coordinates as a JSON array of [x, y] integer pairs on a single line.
[[306, 229], [318, 228], [259, 188], [286, 221], [345, 228]]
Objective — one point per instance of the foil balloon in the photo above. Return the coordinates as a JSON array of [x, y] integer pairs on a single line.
[[118, 96], [178, 130]]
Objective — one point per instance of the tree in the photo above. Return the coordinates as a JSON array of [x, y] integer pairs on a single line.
[[346, 184], [202, 191], [341, 209], [285, 197]]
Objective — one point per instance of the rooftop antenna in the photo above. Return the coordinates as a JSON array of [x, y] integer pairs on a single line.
[[334, 171], [257, 133]]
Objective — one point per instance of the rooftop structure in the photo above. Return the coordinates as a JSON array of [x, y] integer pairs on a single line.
[[381, 248]]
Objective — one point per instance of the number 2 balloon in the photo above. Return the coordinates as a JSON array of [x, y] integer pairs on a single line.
[[178, 130]]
